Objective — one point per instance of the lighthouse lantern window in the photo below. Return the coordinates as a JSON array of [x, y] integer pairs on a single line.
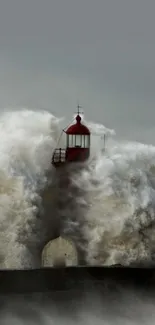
[[87, 141], [83, 141], [69, 141], [78, 140], [74, 140]]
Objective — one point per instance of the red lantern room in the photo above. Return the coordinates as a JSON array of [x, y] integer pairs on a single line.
[[77, 144]]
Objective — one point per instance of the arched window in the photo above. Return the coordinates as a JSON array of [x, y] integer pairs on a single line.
[[59, 251]]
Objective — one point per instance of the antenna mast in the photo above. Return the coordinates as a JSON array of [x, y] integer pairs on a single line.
[[78, 109]]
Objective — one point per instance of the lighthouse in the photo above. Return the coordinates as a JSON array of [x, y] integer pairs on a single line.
[[77, 144], [69, 162]]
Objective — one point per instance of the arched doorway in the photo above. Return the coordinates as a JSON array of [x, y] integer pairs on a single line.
[[59, 251]]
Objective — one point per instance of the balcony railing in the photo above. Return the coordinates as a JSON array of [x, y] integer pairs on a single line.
[[59, 156]]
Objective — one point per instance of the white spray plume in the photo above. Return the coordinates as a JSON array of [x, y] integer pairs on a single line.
[[116, 207]]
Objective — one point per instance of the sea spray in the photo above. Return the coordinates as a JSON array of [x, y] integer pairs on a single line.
[[112, 210]]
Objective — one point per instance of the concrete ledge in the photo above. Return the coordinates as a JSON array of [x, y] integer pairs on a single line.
[[74, 278]]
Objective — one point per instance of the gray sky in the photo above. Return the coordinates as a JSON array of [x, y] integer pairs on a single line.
[[54, 52]]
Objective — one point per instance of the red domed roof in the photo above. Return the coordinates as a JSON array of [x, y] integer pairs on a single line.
[[78, 128]]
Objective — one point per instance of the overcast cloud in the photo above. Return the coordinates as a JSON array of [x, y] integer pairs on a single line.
[[102, 53]]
